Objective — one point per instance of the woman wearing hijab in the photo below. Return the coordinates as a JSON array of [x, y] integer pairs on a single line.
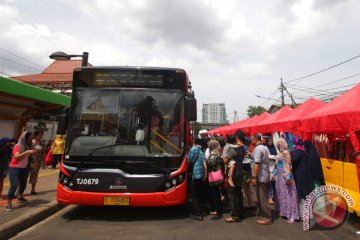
[[302, 173], [57, 150], [285, 184], [273, 152], [5, 156], [316, 168], [213, 167], [18, 171]]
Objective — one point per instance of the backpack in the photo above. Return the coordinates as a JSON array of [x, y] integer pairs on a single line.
[[214, 161]]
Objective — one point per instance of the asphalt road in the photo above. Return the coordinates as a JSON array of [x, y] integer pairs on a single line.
[[80, 222]]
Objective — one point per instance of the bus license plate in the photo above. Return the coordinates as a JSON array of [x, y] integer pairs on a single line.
[[118, 201]]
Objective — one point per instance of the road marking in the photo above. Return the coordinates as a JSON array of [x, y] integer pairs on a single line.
[[7, 182]]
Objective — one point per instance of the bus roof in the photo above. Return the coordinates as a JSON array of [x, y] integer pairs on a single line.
[[132, 68]]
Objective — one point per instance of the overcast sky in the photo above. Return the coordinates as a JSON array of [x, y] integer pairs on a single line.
[[232, 50]]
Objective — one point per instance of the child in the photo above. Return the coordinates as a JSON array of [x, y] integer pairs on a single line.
[[230, 162]]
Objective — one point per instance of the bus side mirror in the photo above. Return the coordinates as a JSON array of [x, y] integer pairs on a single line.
[[140, 136], [62, 122], [191, 110]]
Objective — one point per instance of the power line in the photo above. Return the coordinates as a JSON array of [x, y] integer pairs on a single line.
[[270, 97], [320, 94], [338, 80], [21, 57], [341, 86], [25, 26], [275, 101], [6, 74], [320, 91], [321, 85], [304, 89], [301, 87], [331, 97], [9, 60], [323, 70], [328, 89]]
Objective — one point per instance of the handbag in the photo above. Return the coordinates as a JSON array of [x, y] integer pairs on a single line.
[[215, 177], [48, 158]]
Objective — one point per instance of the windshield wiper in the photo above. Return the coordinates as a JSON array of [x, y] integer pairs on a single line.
[[93, 151], [164, 170]]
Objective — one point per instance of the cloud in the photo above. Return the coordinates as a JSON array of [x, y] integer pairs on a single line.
[[181, 22], [326, 4], [231, 50]]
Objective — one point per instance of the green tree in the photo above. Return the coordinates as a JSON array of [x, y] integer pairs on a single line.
[[255, 110]]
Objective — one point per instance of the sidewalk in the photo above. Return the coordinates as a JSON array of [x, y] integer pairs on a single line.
[[29, 213]]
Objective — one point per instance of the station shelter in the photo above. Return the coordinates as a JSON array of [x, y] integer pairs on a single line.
[[20, 102]]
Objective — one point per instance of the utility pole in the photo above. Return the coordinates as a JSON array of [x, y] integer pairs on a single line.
[[236, 118], [293, 103], [282, 92]]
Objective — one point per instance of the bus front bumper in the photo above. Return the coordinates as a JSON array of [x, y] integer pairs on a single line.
[[175, 196]]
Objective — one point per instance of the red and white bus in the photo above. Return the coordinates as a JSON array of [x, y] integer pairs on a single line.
[[127, 137]]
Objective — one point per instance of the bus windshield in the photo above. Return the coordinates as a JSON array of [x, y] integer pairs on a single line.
[[112, 116]]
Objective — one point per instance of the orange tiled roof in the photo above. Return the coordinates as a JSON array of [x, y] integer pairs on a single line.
[[57, 72]]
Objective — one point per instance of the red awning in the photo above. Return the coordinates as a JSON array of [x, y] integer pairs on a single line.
[[291, 122], [242, 124], [264, 126], [253, 121], [336, 116]]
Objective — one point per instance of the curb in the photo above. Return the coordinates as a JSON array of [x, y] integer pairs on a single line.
[[28, 219]]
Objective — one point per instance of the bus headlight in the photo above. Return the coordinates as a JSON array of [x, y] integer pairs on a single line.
[[66, 181], [174, 181], [181, 178], [168, 185]]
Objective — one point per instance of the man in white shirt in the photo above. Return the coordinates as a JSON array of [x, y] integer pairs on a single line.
[[261, 179]]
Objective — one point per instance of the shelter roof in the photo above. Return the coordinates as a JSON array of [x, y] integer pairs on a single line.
[[57, 72], [17, 98]]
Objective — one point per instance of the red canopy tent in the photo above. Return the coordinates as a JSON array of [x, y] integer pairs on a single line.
[[253, 121], [291, 122], [264, 126], [239, 124], [342, 116], [219, 130], [336, 116], [231, 128]]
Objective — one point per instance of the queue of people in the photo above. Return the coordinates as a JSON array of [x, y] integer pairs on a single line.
[[222, 177], [21, 160]]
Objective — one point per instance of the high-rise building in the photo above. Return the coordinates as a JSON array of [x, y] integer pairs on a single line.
[[214, 113]]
